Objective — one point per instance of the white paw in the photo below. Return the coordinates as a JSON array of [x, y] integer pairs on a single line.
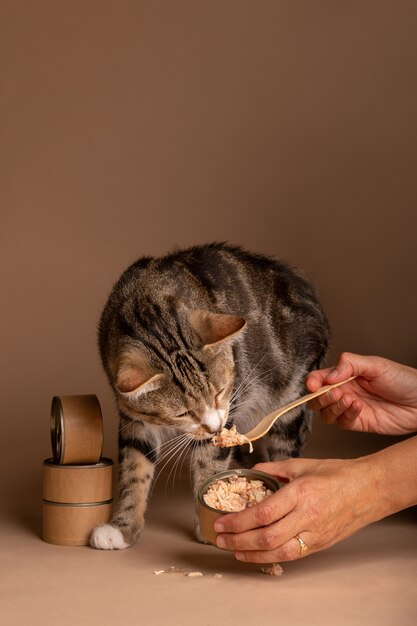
[[107, 537]]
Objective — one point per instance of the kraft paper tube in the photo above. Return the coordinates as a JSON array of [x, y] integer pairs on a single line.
[[71, 525], [78, 484], [75, 499], [76, 429]]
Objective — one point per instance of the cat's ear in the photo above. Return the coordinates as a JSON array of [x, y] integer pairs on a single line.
[[214, 328], [134, 376]]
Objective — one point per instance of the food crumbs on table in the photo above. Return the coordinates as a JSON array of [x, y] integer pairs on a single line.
[[178, 570], [274, 570]]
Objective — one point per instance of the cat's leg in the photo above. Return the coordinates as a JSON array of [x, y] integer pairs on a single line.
[[135, 477], [206, 461]]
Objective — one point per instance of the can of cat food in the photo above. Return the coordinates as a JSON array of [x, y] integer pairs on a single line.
[[207, 515], [76, 498], [72, 524], [77, 483], [76, 429]]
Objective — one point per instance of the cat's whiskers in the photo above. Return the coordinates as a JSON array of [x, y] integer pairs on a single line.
[[160, 446], [121, 430], [250, 384], [184, 456], [131, 423], [169, 448], [167, 459], [246, 377], [175, 465], [170, 455], [191, 461]]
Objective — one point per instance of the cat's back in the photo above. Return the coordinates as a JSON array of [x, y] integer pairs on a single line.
[[277, 302], [215, 275]]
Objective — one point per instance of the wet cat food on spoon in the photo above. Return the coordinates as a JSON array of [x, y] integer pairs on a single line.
[[231, 437], [228, 438]]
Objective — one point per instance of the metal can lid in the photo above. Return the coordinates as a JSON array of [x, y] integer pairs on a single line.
[[57, 429], [104, 462], [77, 504]]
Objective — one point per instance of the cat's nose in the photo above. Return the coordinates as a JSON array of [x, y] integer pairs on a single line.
[[212, 420]]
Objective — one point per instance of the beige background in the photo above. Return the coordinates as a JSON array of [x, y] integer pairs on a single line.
[[128, 128]]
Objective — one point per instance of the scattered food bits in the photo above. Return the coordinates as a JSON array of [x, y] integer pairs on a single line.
[[227, 438], [171, 570], [274, 570], [235, 493], [178, 570]]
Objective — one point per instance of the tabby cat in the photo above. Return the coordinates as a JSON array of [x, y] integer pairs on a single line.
[[195, 341]]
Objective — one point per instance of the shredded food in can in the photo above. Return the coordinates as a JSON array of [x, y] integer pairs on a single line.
[[235, 493]]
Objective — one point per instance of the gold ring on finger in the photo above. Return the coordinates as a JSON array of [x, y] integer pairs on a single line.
[[303, 545]]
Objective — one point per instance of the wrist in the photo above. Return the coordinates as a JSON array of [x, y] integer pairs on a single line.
[[375, 493], [392, 475]]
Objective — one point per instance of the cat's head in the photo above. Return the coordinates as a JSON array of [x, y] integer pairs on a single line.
[[182, 377]]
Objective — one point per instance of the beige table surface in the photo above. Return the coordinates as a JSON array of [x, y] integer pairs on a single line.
[[369, 579]]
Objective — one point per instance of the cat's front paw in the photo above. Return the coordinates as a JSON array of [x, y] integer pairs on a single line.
[[108, 537]]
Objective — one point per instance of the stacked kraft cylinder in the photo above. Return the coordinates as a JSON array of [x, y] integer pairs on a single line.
[[77, 481]]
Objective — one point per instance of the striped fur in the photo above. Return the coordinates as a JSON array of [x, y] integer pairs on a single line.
[[194, 340]]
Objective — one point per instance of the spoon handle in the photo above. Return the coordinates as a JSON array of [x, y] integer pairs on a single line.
[[267, 422], [315, 394]]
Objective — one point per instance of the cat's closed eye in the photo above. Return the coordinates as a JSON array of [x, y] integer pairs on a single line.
[[220, 393], [185, 413]]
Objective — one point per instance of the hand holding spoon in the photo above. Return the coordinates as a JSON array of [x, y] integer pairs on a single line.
[[267, 422]]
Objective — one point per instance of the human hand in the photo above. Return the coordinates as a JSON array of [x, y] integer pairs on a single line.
[[324, 502], [382, 399]]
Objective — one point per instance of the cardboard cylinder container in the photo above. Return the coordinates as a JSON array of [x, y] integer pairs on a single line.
[[72, 525], [76, 429], [75, 499], [207, 515]]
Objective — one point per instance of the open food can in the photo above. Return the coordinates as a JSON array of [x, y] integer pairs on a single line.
[[207, 515]]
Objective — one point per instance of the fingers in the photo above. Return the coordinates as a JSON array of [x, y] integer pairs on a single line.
[[347, 408], [336, 405], [349, 418], [263, 514], [316, 379], [348, 364], [284, 470], [289, 551], [345, 368], [267, 545], [261, 539], [332, 396]]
